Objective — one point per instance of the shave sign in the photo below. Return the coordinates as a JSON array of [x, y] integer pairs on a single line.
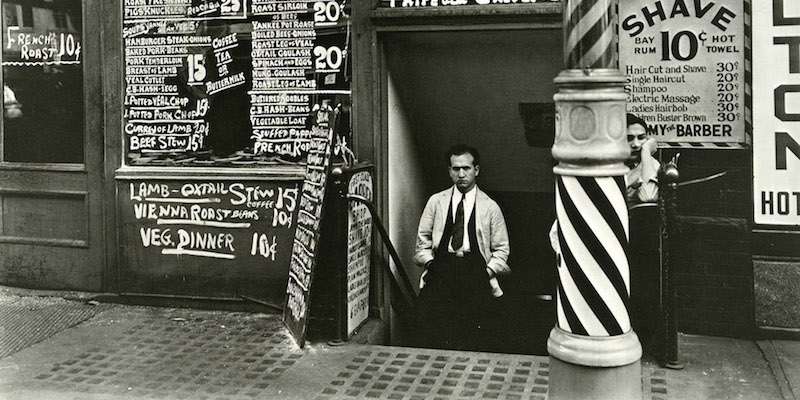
[[684, 64]]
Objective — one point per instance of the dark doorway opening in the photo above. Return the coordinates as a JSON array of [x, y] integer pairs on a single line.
[[443, 88]]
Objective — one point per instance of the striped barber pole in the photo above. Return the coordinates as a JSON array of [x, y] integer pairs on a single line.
[[589, 34], [748, 71], [594, 276]]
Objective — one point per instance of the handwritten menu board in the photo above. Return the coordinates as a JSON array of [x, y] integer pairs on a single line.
[[306, 239], [208, 237], [359, 246], [684, 64], [232, 82]]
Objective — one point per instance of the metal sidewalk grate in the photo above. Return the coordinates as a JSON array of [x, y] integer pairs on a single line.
[[407, 375], [25, 321]]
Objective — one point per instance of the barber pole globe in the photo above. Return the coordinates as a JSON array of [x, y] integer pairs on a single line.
[[590, 34]]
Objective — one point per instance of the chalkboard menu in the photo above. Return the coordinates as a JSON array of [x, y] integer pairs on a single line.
[[207, 238], [359, 246], [231, 82], [306, 239]]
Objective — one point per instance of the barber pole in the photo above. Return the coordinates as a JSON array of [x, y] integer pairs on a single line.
[[594, 353], [593, 271], [590, 34]]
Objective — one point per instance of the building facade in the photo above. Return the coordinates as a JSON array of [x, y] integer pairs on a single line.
[[155, 150]]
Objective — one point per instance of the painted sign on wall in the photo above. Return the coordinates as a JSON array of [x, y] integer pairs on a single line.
[[359, 250], [207, 238], [684, 63], [776, 113]]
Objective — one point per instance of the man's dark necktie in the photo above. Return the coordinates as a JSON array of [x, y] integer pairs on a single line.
[[458, 226]]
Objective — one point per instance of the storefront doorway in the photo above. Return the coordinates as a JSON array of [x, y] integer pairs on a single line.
[[447, 87]]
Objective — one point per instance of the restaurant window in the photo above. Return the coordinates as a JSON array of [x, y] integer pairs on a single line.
[[43, 110], [60, 19], [234, 84]]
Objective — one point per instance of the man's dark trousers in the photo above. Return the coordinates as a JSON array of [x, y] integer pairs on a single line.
[[456, 305]]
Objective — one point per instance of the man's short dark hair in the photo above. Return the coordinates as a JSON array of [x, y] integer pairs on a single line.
[[633, 120], [459, 149]]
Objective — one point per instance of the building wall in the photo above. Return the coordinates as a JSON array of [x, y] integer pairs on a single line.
[[714, 267], [407, 180]]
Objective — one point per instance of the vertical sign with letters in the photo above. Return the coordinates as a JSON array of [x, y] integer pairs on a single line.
[[307, 233], [776, 113], [684, 63], [359, 246]]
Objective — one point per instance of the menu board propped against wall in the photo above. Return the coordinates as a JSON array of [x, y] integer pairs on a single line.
[[307, 233], [359, 248], [233, 82], [684, 62]]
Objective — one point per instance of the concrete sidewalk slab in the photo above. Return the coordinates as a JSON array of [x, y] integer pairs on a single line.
[[721, 368], [130, 352], [143, 352], [161, 353], [28, 320], [788, 353]]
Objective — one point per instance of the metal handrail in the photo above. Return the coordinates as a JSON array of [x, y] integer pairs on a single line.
[[400, 280]]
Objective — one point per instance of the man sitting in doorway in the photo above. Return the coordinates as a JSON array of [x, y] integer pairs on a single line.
[[462, 244]]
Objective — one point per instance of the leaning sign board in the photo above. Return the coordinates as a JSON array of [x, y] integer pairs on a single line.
[[684, 63], [359, 247], [776, 114], [307, 234]]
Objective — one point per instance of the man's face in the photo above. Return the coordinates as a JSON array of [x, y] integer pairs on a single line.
[[463, 172], [636, 137]]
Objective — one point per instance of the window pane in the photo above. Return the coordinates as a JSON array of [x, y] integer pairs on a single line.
[[42, 81]]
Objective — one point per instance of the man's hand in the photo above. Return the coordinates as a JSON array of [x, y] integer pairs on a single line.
[[649, 146]]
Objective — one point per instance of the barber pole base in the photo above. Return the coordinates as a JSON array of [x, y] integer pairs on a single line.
[[586, 367]]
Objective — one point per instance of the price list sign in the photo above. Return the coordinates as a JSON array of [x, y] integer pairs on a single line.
[[684, 63], [306, 239], [359, 246], [231, 81], [207, 238]]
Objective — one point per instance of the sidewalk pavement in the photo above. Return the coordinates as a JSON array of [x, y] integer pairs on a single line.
[[76, 350]]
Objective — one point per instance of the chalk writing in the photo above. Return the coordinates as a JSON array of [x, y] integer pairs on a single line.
[[307, 232], [26, 48], [176, 65], [212, 219]]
